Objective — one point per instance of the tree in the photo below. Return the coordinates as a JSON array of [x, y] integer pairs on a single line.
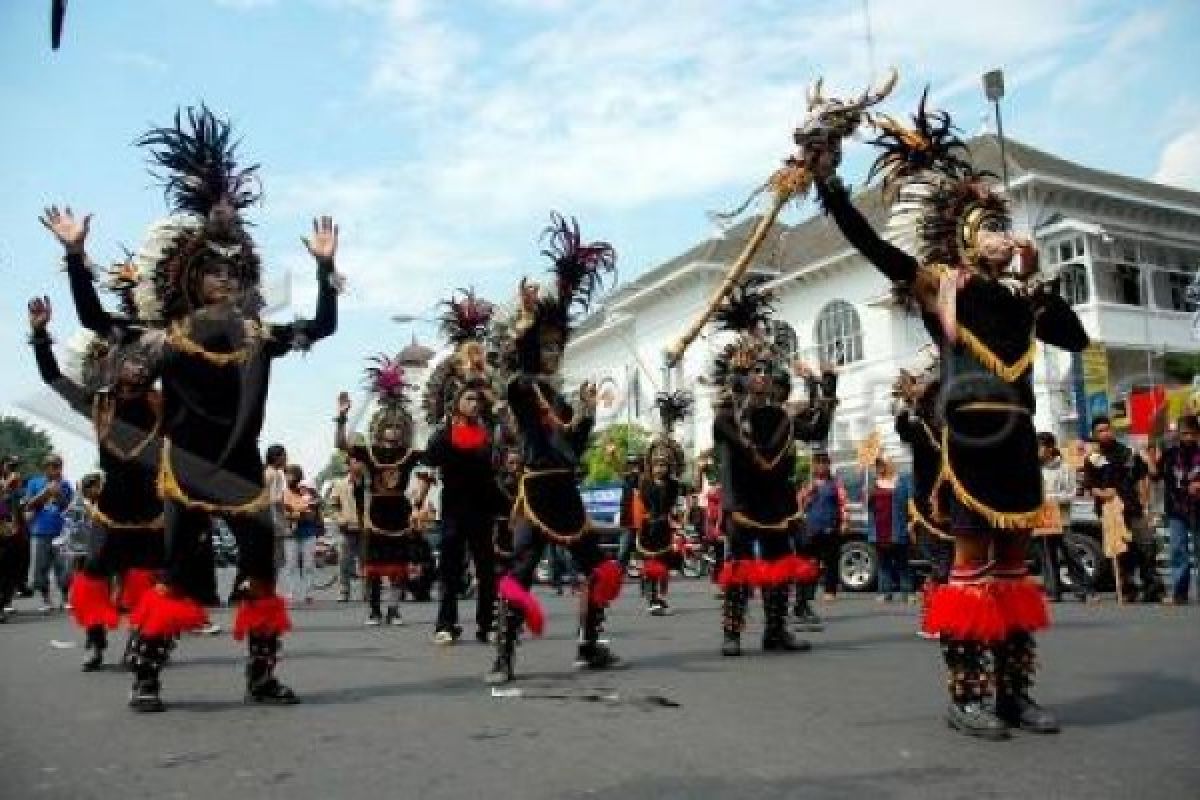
[[605, 457], [18, 438]]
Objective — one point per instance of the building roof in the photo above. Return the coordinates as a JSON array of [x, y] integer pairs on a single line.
[[817, 238]]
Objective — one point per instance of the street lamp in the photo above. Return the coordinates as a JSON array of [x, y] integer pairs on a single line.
[[993, 88]]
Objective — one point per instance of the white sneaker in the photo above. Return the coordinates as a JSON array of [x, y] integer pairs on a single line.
[[211, 629], [45, 608], [10, 609], [443, 638], [372, 622]]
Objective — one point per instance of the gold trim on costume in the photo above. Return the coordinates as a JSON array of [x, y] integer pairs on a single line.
[[103, 418], [169, 489], [747, 522], [177, 337], [521, 508], [1004, 520], [1006, 372], [992, 405], [99, 517], [915, 516]]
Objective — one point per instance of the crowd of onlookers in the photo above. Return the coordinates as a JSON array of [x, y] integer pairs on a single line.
[[44, 522]]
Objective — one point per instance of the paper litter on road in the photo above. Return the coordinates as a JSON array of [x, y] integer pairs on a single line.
[[58, 645]]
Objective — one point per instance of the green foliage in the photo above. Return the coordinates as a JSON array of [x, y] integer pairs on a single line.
[[1180, 367], [802, 469], [605, 457], [29, 444], [334, 468]]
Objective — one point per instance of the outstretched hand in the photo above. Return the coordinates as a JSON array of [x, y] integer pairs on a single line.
[[323, 243], [70, 232], [40, 312]]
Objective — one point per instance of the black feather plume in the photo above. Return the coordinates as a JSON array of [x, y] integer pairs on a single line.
[[747, 306], [673, 407], [196, 160], [932, 143], [580, 268]]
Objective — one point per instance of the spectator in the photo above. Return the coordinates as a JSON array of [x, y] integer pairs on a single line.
[[349, 502], [275, 483], [14, 545], [303, 515], [886, 501], [47, 497], [629, 484], [1058, 490], [823, 500], [1178, 467], [1115, 472], [78, 533]]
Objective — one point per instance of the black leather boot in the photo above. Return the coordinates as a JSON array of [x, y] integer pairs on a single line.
[[592, 654], [149, 655], [1015, 665], [261, 684], [508, 623], [97, 641], [970, 684], [776, 636], [733, 619]]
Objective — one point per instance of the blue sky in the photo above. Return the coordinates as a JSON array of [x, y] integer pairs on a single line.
[[441, 133]]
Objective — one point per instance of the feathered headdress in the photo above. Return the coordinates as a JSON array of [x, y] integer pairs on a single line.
[[466, 318], [747, 312], [579, 270], [673, 407], [195, 160], [939, 200], [386, 380]]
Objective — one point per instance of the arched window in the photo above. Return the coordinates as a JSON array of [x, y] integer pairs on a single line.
[[839, 333]]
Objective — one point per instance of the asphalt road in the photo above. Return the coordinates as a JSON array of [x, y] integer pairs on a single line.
[[388, 714]]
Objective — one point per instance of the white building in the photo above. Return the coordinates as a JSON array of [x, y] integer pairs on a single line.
[[1110, 237]]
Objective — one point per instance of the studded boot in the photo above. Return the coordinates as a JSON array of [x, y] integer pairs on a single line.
[[97, 641], [970, 684], [149, 655], [1016, 663], [508, 623], [776, 636], [261, 684], [592, 654], [733, 619]]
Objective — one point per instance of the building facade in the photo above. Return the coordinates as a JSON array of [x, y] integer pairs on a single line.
[[1127, 251]]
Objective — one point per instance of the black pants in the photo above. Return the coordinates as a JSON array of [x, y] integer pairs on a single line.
[[189, 563], [11, 575], [772, 545], [1141, 559], [1055, 555], [112, 552], [827, 549], [529, 544], [463, 533]]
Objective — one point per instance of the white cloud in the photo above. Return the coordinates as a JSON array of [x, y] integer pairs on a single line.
[[141, 61], [618, 106], [1179, 164]]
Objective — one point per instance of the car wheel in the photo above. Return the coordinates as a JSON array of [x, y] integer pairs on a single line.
[[1090, 555], [858, 566]]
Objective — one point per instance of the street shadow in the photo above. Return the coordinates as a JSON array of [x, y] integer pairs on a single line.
[[1135, 696], [445, 687], [183, 661]]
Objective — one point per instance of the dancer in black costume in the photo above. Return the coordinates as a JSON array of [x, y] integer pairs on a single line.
[[986, 326], [548, 508]]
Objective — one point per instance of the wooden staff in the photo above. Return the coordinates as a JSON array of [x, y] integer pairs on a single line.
[[785, 184]]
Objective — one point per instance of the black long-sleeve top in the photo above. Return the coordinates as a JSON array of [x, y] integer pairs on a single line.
[[1003, 321], [546, 444], [213, 413], [128, 453], [756, 451], [463, 454]]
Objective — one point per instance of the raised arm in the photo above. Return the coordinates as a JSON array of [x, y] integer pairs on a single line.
[[39, 319], [583, 423], [813, 423], [302, 333], [72, 233], [340, 440], [897, 265]]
